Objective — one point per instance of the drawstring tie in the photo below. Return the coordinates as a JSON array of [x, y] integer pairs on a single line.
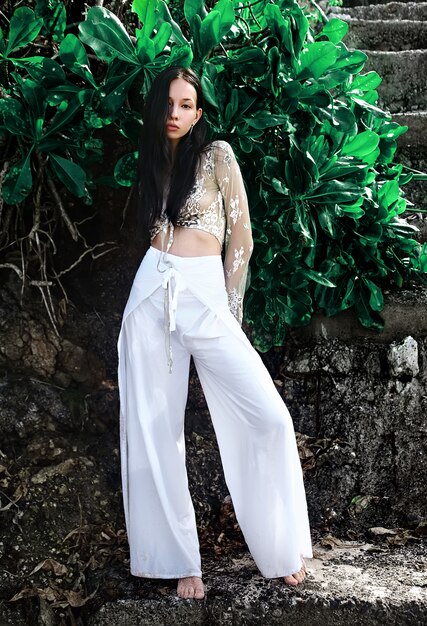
[[172, 283]]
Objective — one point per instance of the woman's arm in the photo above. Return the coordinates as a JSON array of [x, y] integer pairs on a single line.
[[238, 238]]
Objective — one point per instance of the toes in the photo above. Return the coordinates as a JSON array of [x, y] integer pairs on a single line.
[[296, 579], [190, 589], [199, 594], [300, 576]]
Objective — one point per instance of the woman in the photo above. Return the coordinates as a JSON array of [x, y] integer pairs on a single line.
[[185, 302]]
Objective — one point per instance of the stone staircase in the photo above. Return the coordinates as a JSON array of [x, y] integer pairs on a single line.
[[338, 390], [394, 35]]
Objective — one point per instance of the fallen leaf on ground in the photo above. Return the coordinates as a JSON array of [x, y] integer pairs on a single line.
[[51, 565]]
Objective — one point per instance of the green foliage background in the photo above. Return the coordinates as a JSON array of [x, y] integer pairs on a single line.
[[315, 149]]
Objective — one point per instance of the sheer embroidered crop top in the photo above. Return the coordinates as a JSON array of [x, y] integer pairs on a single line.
[[218, 205]]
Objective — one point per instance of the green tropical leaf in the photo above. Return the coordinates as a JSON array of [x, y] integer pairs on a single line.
[[181, 55], [54, 16], [366, 82], [73, 55], [316, 58], [147, 11], [210, 32], [317, 277], [361, 145], [165, 16], [162, 37], [226, 11], [64, 117], [107, 36], [114, 91], [280, 26], [125, 169], [15, 118], [365, 314], [2, 43], [335, 29], [18, 181], [24, 28], [194, 8], [376, 299], [69, 173]]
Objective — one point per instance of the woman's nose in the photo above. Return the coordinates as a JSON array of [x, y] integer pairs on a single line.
[[173, 111]]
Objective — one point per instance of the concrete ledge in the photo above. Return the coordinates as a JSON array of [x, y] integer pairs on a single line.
[[391, 10], [404, 86], [416, 135], [404, 313], [386, 34], [354, 584]]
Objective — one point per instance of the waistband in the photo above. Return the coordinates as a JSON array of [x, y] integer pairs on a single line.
[[176, 274]]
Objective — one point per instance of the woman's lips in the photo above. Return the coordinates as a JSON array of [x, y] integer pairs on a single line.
[[172, 127]]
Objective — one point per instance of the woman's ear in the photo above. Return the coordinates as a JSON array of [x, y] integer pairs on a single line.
[[199, 113]]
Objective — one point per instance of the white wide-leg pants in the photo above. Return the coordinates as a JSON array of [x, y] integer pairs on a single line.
[[252, 424]]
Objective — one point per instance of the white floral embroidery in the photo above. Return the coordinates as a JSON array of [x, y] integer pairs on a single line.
[[239, 260], [235, 304], [235, 213]]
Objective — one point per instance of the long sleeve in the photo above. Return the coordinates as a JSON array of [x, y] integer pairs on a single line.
[[238, 236]]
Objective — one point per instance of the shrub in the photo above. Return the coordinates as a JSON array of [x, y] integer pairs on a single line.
[[315, 149]]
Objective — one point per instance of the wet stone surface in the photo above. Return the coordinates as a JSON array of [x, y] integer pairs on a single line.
[[361, 433]]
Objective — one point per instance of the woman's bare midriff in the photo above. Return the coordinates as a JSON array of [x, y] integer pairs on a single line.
[[189, 242]]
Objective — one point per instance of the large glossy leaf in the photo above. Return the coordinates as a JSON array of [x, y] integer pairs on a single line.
[[264, 119], [15, 118], [18, 181], [54, 17], [335, 29], [210, 32], [165, 16], [114, 91], [106, 35], [69, 173], [364, 312], [181, 55], [376, 298], [280, 26], [361, 145], [226, 11], [193, 8], [125, 169], [24, 28], [64, 118], [47, 72], [147, 11], [315, 59], [73, 55], [365, 82], [2, 43]]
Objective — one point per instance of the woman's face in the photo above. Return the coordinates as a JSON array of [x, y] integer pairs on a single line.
[[183, 111]]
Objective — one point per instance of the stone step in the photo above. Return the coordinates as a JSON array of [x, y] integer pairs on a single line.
[[354, 3], [412, 152], [357, 584], [404, 84], [391, 10], [391, 35], [404, 310], [416, 135]]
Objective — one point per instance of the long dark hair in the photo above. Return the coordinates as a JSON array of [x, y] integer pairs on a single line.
[[155, 156]]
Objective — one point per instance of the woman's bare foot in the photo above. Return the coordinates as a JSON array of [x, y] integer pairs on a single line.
[[297, 578], [191, 587]]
